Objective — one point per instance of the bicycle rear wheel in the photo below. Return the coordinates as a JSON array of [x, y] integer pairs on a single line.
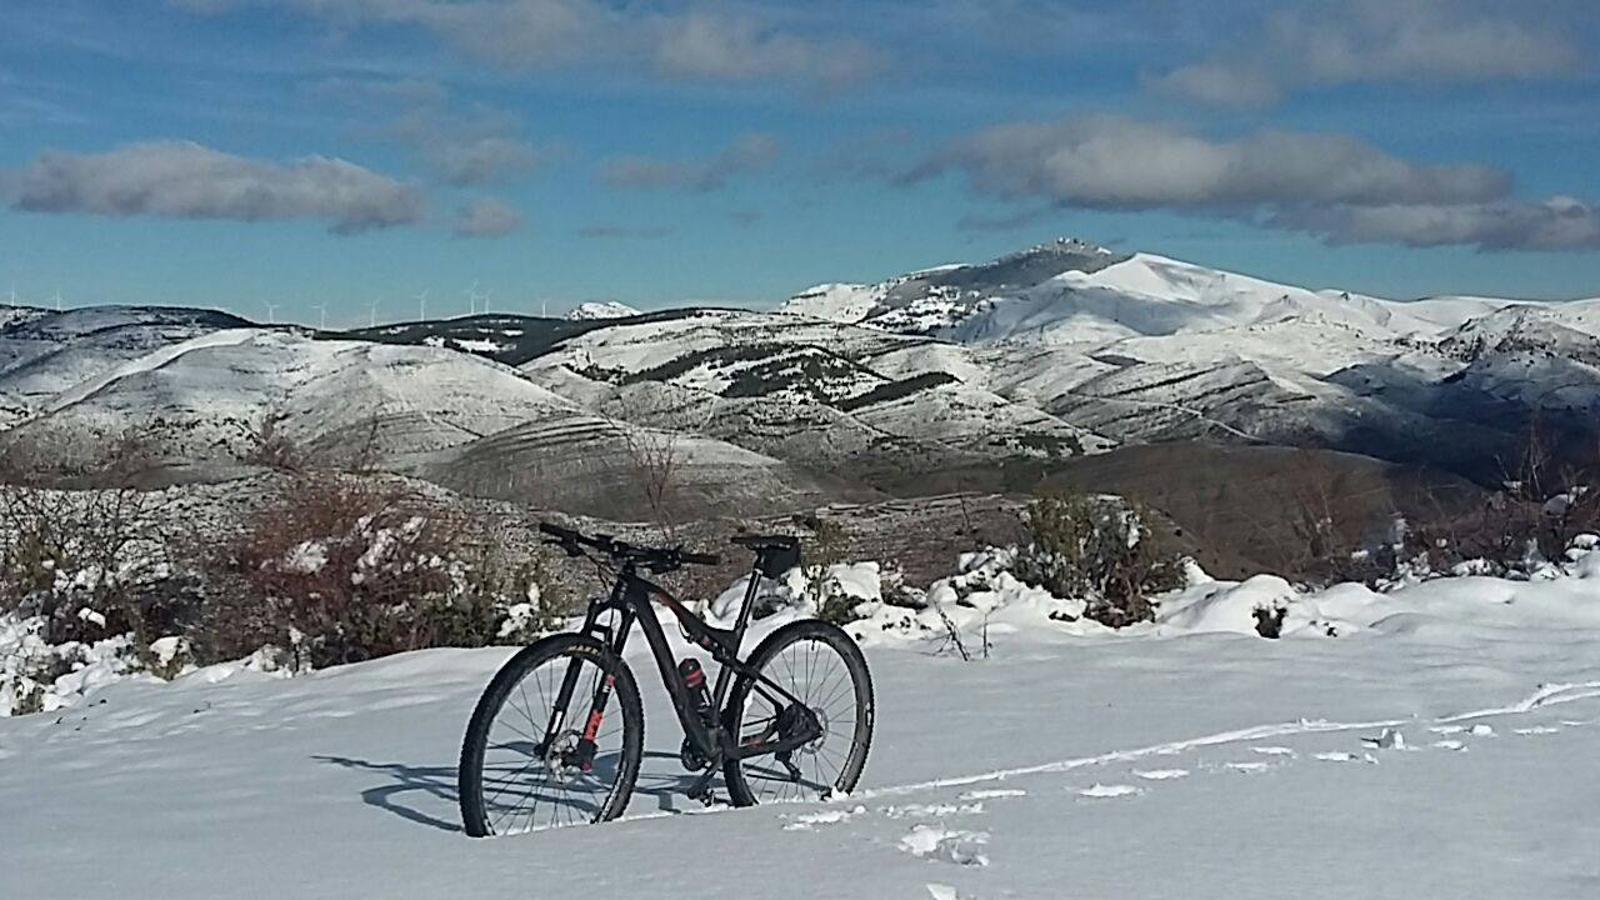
[[823, 668], [512, 780]]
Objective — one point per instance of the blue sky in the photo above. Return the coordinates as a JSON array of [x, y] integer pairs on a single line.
[[234, 153]]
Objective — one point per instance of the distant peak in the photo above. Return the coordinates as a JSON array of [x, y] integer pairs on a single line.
[[1062, 246], [608, 309]]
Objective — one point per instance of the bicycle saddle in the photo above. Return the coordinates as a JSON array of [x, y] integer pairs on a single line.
[[775, 553], [764, 542]]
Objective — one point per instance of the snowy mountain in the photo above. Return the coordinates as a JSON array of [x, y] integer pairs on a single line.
[[203, 400], [932, 300], [1071, 292], [1143, 348], [993, 370], [608, 309]]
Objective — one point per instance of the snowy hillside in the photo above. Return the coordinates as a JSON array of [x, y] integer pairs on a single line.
[[1072, 292], [1142, 348], [1443, 748], [608, 309], [1040, 356], [43, 353], [203, 404], [819, 394]]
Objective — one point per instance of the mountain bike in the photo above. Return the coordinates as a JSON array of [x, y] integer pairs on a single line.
[[558, 735]]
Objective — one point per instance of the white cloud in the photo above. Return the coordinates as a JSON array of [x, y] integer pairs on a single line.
[[1332, 186], [1118, 163], [699, 45], [1559, 223], [478, 148], [1326, 44], [701, 42], [750, 153], [476, 145], [487, 218], [181, 179]]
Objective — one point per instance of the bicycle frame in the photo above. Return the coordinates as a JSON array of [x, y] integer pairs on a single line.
[[630, 598]]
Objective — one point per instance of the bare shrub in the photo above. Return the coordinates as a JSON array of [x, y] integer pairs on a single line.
[[654, 456], [828, 546], [339, 570], [1269, 621], [93, 564], [652, 426], [1539, 513], [268, 447], [98, 458], [1100, 549]]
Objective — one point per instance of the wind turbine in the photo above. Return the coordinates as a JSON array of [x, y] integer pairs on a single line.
[[58, 300], [322, 316], [422, 307], [272, 312], [485, 296], [372, 314], [13, 293], [472, 298]]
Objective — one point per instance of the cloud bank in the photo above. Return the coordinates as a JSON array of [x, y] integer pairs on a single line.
[[718, 43], [487, 219], [184, 180], [1334, 186], [750, 153], [1328, 44]]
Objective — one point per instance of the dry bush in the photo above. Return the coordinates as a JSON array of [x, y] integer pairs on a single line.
[[829, 545], [655, 460], [99, 458], [339, 570], [1100, 549], [1509, 533], [1534, 517], [652, 426], [91, 563], [268, 447]]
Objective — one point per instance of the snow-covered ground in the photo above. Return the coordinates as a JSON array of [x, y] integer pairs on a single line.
[[1442, 746]]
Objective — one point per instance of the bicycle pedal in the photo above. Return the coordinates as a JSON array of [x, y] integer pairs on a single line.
[[704, 794], [701, 789]]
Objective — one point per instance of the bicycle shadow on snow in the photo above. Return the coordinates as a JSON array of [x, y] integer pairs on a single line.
[[438, 782], [407, 784]]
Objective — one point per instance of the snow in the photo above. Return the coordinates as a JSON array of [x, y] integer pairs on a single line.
[[212, 389], [848, 303], [1145, 764], [1145, 348], [609, 309]]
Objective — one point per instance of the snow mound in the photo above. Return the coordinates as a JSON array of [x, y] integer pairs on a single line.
[[1561, 597]]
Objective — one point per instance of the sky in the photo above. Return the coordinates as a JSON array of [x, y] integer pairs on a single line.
[[311, 159]]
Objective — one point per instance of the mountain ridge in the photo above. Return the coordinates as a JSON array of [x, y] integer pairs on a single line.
[[1032, 359]]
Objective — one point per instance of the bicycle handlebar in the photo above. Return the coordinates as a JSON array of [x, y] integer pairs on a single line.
[[656, 557]]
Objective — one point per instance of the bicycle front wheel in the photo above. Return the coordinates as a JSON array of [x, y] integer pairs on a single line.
[[819, 665], [518, 775]]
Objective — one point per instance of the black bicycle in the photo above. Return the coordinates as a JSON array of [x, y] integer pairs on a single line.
[[558, 735]]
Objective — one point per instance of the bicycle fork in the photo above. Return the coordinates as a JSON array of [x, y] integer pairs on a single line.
[[583, 752]]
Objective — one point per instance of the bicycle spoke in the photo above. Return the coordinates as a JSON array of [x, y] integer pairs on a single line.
[[527, 782], [815, 675]]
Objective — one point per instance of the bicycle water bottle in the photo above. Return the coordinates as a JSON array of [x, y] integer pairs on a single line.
[[694, 678]]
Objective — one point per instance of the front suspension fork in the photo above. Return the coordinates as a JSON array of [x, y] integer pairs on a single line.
[[583, 753]]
